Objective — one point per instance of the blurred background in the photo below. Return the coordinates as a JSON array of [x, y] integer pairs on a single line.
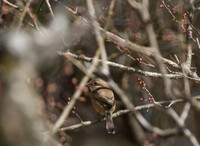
[[36, 83]]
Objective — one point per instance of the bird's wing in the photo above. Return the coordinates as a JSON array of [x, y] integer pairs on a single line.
[[105, 96]]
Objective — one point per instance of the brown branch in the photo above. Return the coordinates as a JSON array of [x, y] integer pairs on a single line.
[[143, 9], [121, 41], [99, 38], [126, 68], [23, 14], [122, 112], [181, 123], [35, 20], [76, 95], [189, 34]]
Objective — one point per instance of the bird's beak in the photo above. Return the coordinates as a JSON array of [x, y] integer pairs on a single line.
[[88, 84]]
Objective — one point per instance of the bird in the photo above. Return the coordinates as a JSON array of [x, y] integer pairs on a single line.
[[103, 100]]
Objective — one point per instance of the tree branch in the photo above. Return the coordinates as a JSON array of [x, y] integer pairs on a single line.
[[123, 42], [122, 112], [126, 68], [76, 95]]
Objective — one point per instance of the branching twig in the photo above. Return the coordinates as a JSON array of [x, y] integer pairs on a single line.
[[120, 113], [76, 95], [126, 68], [123, 42], [180, 122], [35, 20], [145, 15], [23, 14], [99, 38], [185, 112], [189, 34]]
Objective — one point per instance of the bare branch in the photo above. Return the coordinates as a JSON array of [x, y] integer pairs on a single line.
[[23, 14], [50, 8], [76, 95], [144, 12], [123, 67], [122, 112], [189, 34], [99, 37], [185, 112], [124, 42], [180, 123], [11, 4], [174, 75]]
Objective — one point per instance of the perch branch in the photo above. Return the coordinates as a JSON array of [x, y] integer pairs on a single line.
[[126, 68], [122, 112]]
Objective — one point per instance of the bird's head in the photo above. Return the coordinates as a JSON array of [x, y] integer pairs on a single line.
[[97, 83]]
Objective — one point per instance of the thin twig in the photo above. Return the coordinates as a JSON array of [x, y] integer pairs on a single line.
[[56, 24], [78, 117], [123, 42], [76, 95], [123, 67], [154, 101], [11, 4], [175, 75], [180, 122], [189, 34], [77, 64], [23, 14], [50, 8], [198, 44], [99, 38], [120, 113], [145, 15], [185, 112], [35, 20], [21, 10]]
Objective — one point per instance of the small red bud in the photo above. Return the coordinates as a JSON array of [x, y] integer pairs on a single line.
[[141, 98]]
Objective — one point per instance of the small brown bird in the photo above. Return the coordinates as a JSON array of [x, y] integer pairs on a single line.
[[103, 100]]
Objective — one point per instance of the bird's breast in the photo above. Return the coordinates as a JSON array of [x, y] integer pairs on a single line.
[[98, 107]]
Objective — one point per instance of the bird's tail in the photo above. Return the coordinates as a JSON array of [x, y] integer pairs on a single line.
[[109, 123]]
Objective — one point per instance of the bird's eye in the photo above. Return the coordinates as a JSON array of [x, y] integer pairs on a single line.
[[95, 83]]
